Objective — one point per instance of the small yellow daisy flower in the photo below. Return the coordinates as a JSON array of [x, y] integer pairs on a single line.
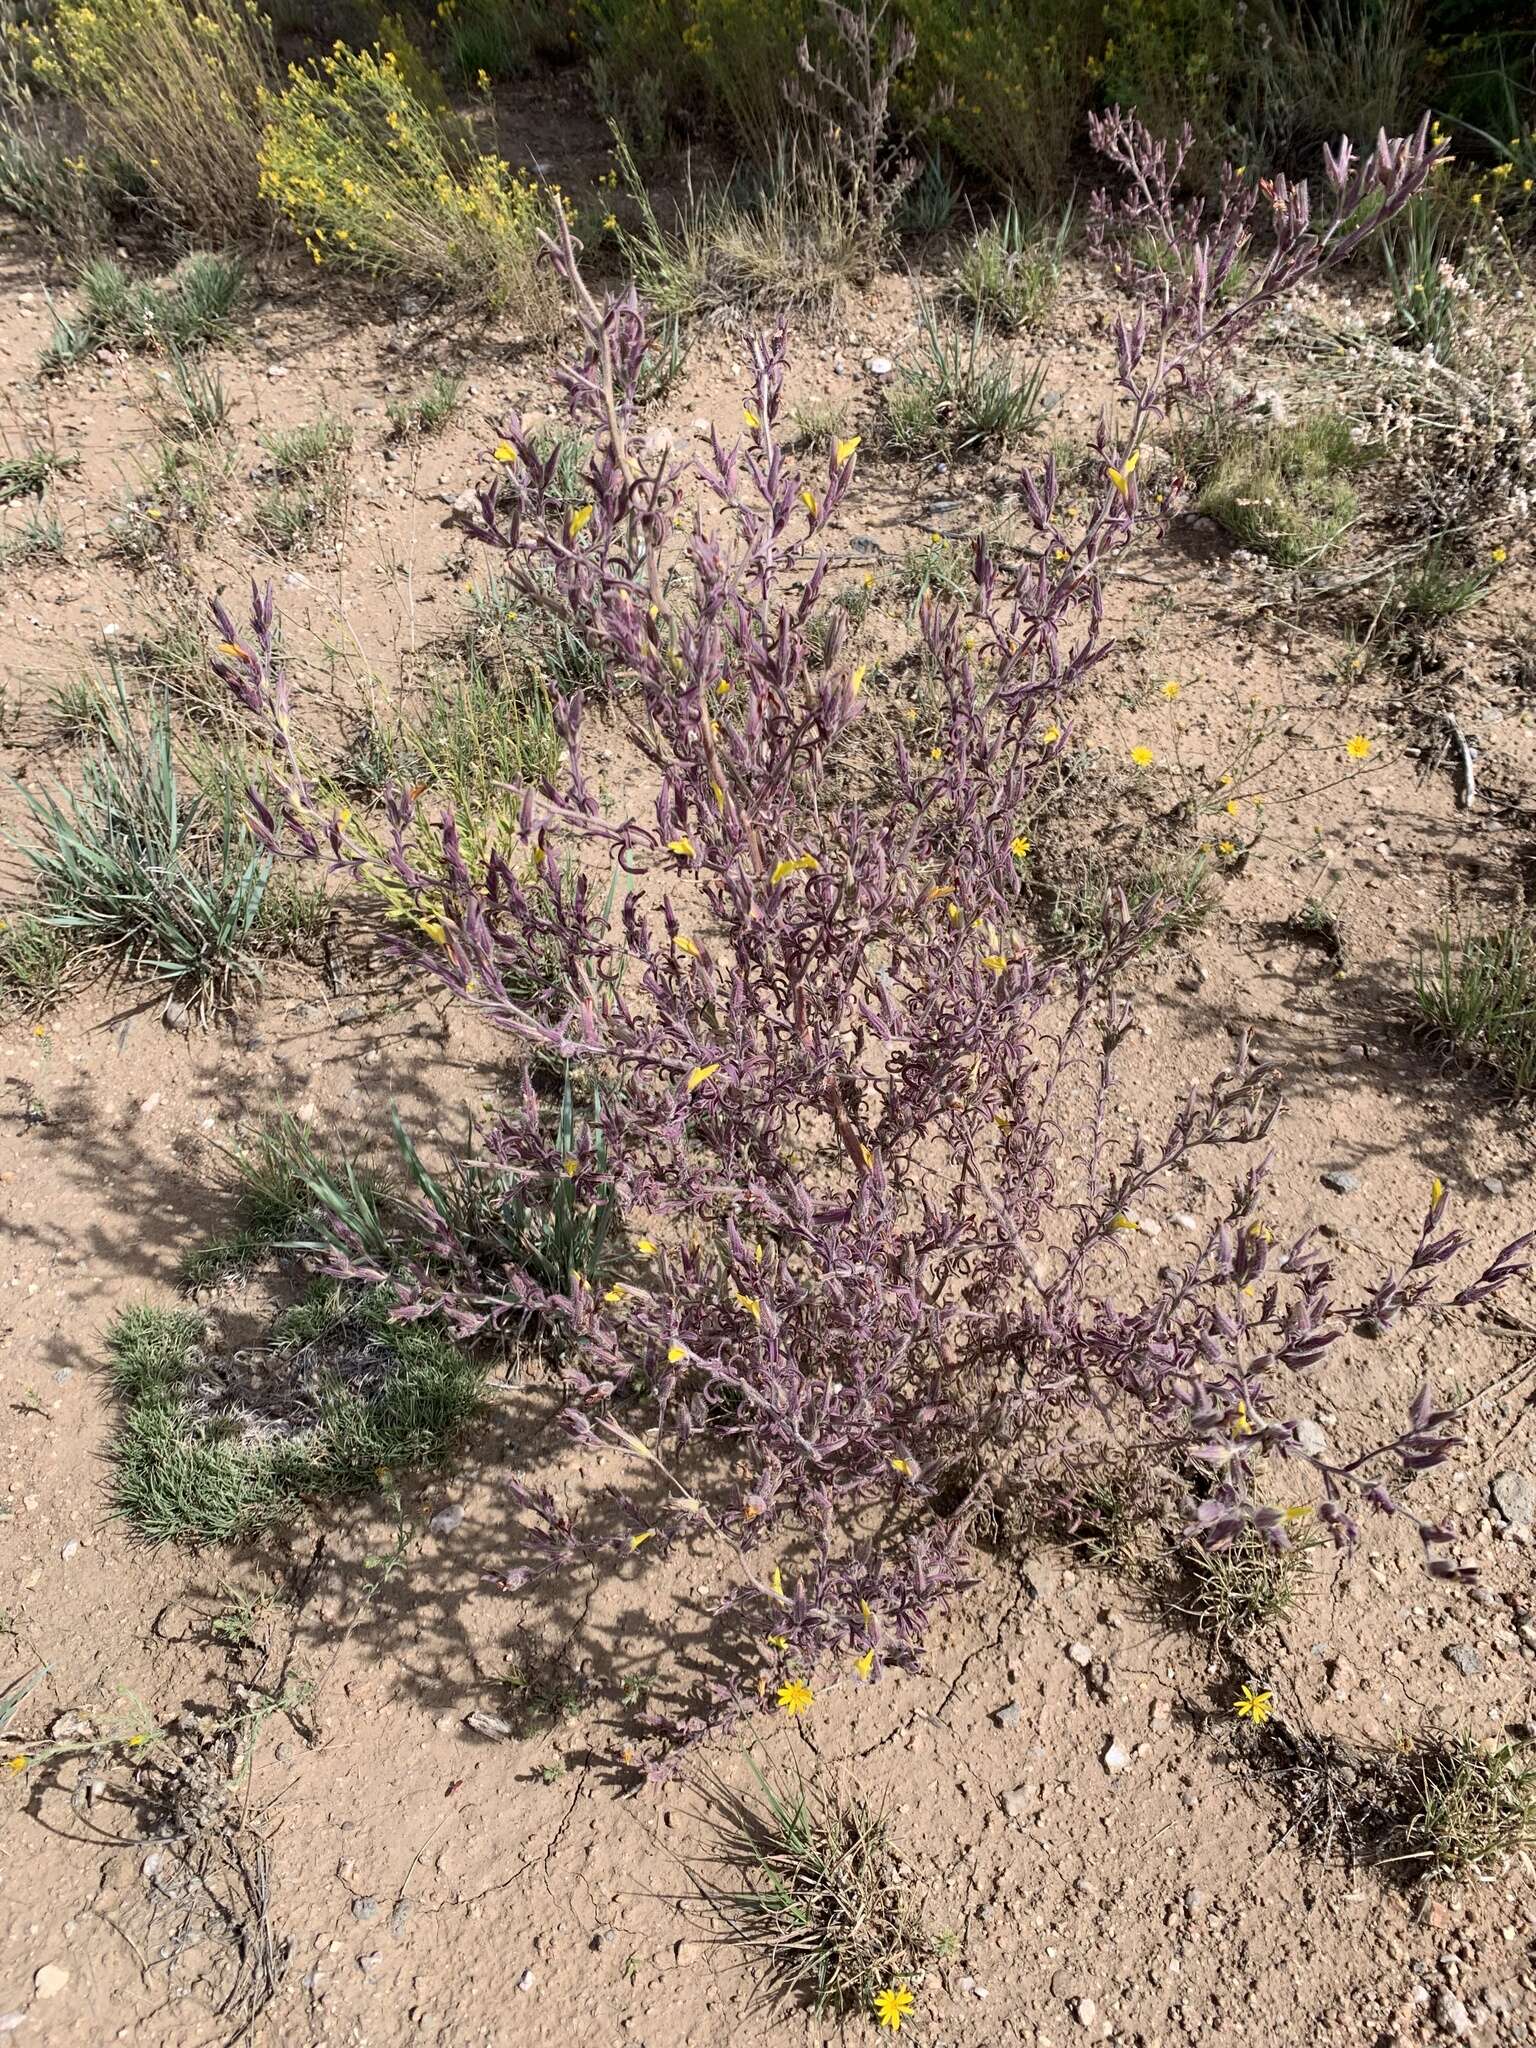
[[793, 1697], [1358, 747], [1254, 1705], [893, 2006], [1142, 756]]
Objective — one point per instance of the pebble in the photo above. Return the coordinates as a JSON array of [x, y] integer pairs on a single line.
[[1086, 2011], [1016, 1804], [1081, 1654], [1467, 1660], [50, 1980], [1491, 1184], [1116, 1759], [370, 1962], [1514, 1495], [1312, 1437], [1339, 1181], [1009, 1716], [879, 366], [527, 1981], [447, 1519], [1450, 2015], [365, 1909]]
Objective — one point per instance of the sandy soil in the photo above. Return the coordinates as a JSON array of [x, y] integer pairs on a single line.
[[432, 1883]]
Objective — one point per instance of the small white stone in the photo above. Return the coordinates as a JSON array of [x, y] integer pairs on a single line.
[[527, 1981], [50, 1980], [1116, 1760]]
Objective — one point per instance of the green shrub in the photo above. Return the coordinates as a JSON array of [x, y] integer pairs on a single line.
[[377, 182]]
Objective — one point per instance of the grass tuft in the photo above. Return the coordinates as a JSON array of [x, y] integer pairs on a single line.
[[192, 306], [1476, 993], [805, 1884]]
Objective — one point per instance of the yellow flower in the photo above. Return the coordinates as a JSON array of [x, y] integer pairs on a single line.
[[579, 519], [844, 449], [998, 962], [794, 1697], [644, 1247], [682, 847], [865, 1665], [17, 1764], [1051, 735], [1436, 1188], [893, 2006], [1226, 848], [1253, 1705], [900, 1465], [808, 500], [802, 864], [644, 1537], [1171, 689], [434, 931], [614, 1293], [676, 1353], [701, 1074], [1124, 1223], [1358, 747], [504, 452], [233, 650], [1020, 847], [1121, 478], [1500, 554], [752, 1306], [856, 681], [1142, 756], [686, 945], [751, 418]]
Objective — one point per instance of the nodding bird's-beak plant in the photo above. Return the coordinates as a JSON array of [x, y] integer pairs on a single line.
[[858, 1132]]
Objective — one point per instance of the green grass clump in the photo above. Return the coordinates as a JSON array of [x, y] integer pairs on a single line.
[[957, 397], [429, 411], [1473, 1809], [280, 1176], [806, 1886], [1285, 491], [28, 476], [308, 467], [1476, 993], [214, 1448], [134, 861], [1010, 270], [192, 306], [34, 961], [1228, 1593]]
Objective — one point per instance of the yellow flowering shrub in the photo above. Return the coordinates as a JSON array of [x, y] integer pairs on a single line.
[[376, 182], [1018, 76], [172, 88]]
